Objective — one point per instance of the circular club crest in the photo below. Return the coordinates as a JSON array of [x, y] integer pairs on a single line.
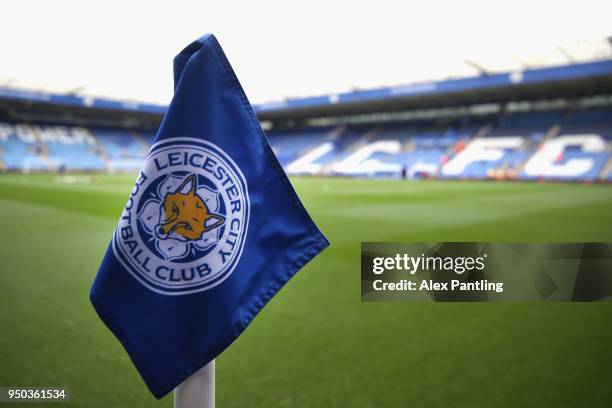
[[184, 226]]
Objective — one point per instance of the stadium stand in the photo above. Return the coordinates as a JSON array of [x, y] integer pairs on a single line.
[[290, 145], [29, 147], [557, 132], [552, 145]]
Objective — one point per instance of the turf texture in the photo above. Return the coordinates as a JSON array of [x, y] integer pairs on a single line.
[[316, 344]]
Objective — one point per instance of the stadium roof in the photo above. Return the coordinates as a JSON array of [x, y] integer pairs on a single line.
[[574, 80], [24, 95]]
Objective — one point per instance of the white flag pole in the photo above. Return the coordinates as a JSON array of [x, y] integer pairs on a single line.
[[198, 391]]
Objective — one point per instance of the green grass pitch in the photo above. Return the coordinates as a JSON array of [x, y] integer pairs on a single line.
[[316, 344]]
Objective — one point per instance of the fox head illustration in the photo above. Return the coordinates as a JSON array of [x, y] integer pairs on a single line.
[[185, 213]]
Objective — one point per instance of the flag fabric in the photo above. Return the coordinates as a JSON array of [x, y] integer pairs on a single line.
[[210, 233]]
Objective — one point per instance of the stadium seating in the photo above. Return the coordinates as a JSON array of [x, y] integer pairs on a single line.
[[77, 156], [474, 148], [19, 149], [290, 145], [14, 153], [30, 147], [542, 145], [123, 151]]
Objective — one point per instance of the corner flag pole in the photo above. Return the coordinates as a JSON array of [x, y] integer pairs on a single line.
[[198, 391]]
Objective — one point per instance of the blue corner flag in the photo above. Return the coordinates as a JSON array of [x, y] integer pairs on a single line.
[[210, 232]]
